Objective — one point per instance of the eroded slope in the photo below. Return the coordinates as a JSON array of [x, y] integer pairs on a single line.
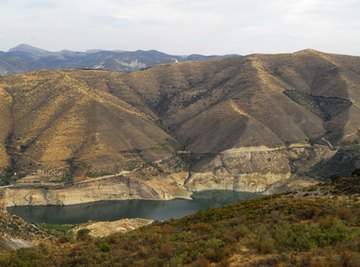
[[241, 123]]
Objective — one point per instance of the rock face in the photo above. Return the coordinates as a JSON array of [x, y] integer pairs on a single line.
[[9, 244], [15, 233], [250, 170], [255, 169], [116, 188]]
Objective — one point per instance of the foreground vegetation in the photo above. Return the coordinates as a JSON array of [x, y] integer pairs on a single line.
[[301, 229]]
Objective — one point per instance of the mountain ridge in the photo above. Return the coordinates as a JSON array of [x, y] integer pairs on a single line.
[[184, 126], [25, 58]]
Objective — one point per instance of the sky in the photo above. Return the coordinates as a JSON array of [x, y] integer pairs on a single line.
[[183, 27]]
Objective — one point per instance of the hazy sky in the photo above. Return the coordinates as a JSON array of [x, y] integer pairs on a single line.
[[183, 27]]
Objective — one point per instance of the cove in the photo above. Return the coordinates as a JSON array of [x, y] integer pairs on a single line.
[[116, 210]]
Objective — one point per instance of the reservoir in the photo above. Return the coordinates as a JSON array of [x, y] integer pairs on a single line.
[[116, 210]]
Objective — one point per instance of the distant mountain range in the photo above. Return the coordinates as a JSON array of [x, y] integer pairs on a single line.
[[24, 58]]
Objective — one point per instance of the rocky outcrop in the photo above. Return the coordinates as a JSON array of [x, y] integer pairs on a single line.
[[255, 169], [249, 169], [9, 243], [15, 233], [100, 229], [116, 188]]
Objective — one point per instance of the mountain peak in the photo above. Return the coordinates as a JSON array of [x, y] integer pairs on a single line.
[[25, 48], [308, 51], [149, 52]]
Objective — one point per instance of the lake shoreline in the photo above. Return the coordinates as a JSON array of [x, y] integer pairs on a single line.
[[121, 209]]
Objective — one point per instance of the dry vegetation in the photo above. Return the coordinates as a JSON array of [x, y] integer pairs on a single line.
[[103, 122]]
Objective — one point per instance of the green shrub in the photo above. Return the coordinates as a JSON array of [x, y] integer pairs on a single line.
[[214, 243], [104, 247], [67, 179], [83, 234], [176, 262]]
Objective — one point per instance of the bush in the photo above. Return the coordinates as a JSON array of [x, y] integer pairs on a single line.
[[166, 251], [214, 243], [83, 234], [345, 214], [67, 179], [104, 247], [351, 260], [265, 245], [176, 262]]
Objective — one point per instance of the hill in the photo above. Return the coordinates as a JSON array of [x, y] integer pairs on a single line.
[[16, 233], [241, 123]]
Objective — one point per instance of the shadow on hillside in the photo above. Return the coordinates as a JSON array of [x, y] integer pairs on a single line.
[[342, 164]]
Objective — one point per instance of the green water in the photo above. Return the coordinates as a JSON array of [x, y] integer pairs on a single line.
[[115, 210]]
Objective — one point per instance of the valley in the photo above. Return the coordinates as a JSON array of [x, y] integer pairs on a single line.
[[192, 147], [179, 133]]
